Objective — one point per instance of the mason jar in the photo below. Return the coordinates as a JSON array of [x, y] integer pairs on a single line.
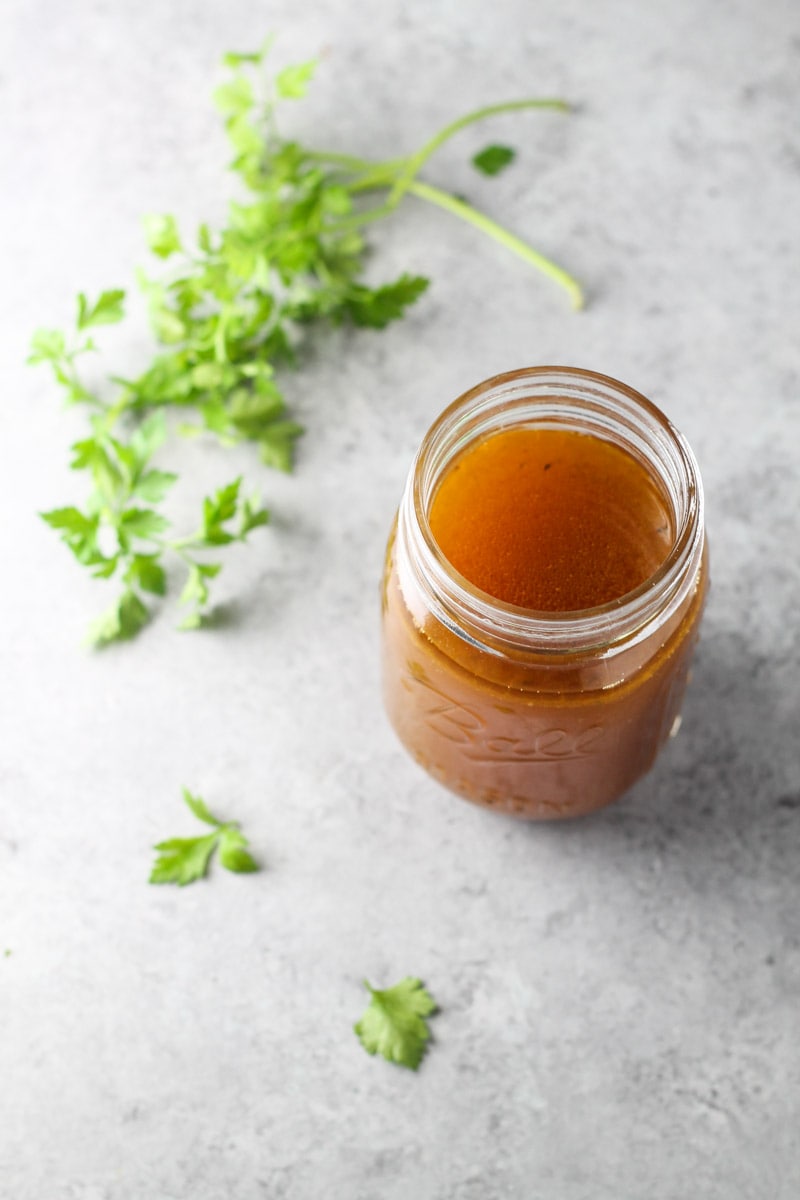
[[541, 714]]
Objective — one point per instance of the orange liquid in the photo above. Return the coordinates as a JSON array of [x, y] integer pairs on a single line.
[[551, 520]]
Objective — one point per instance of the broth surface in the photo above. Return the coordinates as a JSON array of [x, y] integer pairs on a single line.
[[551, 519]]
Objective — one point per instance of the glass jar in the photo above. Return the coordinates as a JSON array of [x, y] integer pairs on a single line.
[[541, 714]]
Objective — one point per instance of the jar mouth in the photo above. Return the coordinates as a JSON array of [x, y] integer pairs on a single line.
[[557, 397]]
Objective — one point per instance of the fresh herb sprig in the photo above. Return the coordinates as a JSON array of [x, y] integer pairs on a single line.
[[229, 313], [184, 860]]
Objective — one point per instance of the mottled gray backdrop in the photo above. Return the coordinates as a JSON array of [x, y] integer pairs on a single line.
[[619, 996]]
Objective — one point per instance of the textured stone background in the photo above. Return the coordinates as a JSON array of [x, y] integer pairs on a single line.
[[619, 996]]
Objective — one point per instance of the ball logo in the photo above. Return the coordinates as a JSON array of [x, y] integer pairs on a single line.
[[526, 742]]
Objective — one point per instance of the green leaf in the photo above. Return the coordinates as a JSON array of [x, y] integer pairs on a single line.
[[377, 307], [244, 136], [161, 231], [167, 325], [195, 590], [218, 510], [93, 455], [106, 568], [183, 860], [107, 310], [47, 345], [123, 620], [143, 522], [394, 1024], [200, 809], [292, 82], [276, 444], [208, 375], [232, 853], [154, 485], [146, 572], [133, 615], [148, 437], [79, 533], [71, 520], [193, 620], [253, 411], [233, 59], [493, 159], [251, 516], [235, 96]]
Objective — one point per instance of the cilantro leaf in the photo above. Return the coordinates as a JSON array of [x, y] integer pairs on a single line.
[[184, 860], [494, 159], [394, 1024]]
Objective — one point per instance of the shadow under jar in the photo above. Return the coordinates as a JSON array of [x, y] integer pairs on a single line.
[[542, 595]]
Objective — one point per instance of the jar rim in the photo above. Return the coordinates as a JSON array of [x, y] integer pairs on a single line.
[[495, 623]]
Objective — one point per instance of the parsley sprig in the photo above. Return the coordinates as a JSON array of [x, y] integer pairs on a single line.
[[184, 860], [229, 311]]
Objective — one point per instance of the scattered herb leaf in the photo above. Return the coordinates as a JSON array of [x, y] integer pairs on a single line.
[[184, 860], [494, 159], [394, 1024]]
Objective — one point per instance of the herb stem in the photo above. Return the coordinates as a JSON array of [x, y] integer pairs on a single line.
[[459, 208], [415, 161]]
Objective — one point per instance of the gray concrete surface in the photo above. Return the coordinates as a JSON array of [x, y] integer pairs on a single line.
[[619, 996]]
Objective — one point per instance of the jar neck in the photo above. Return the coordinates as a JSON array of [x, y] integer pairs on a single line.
[[561, 398]]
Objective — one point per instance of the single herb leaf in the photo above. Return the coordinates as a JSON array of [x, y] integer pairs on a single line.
[[292, 82], [71, 520], [235, 96], [122, 620], [162, 234], [146, 572], [107, 310], [143, 522], [394, 1024], [377, 307], [147, 438], [233, 855], [47, 345], [200, 809], [183, 860], [494, 159], [154, 485], [234, 59], [251, 516], [276, 444]]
